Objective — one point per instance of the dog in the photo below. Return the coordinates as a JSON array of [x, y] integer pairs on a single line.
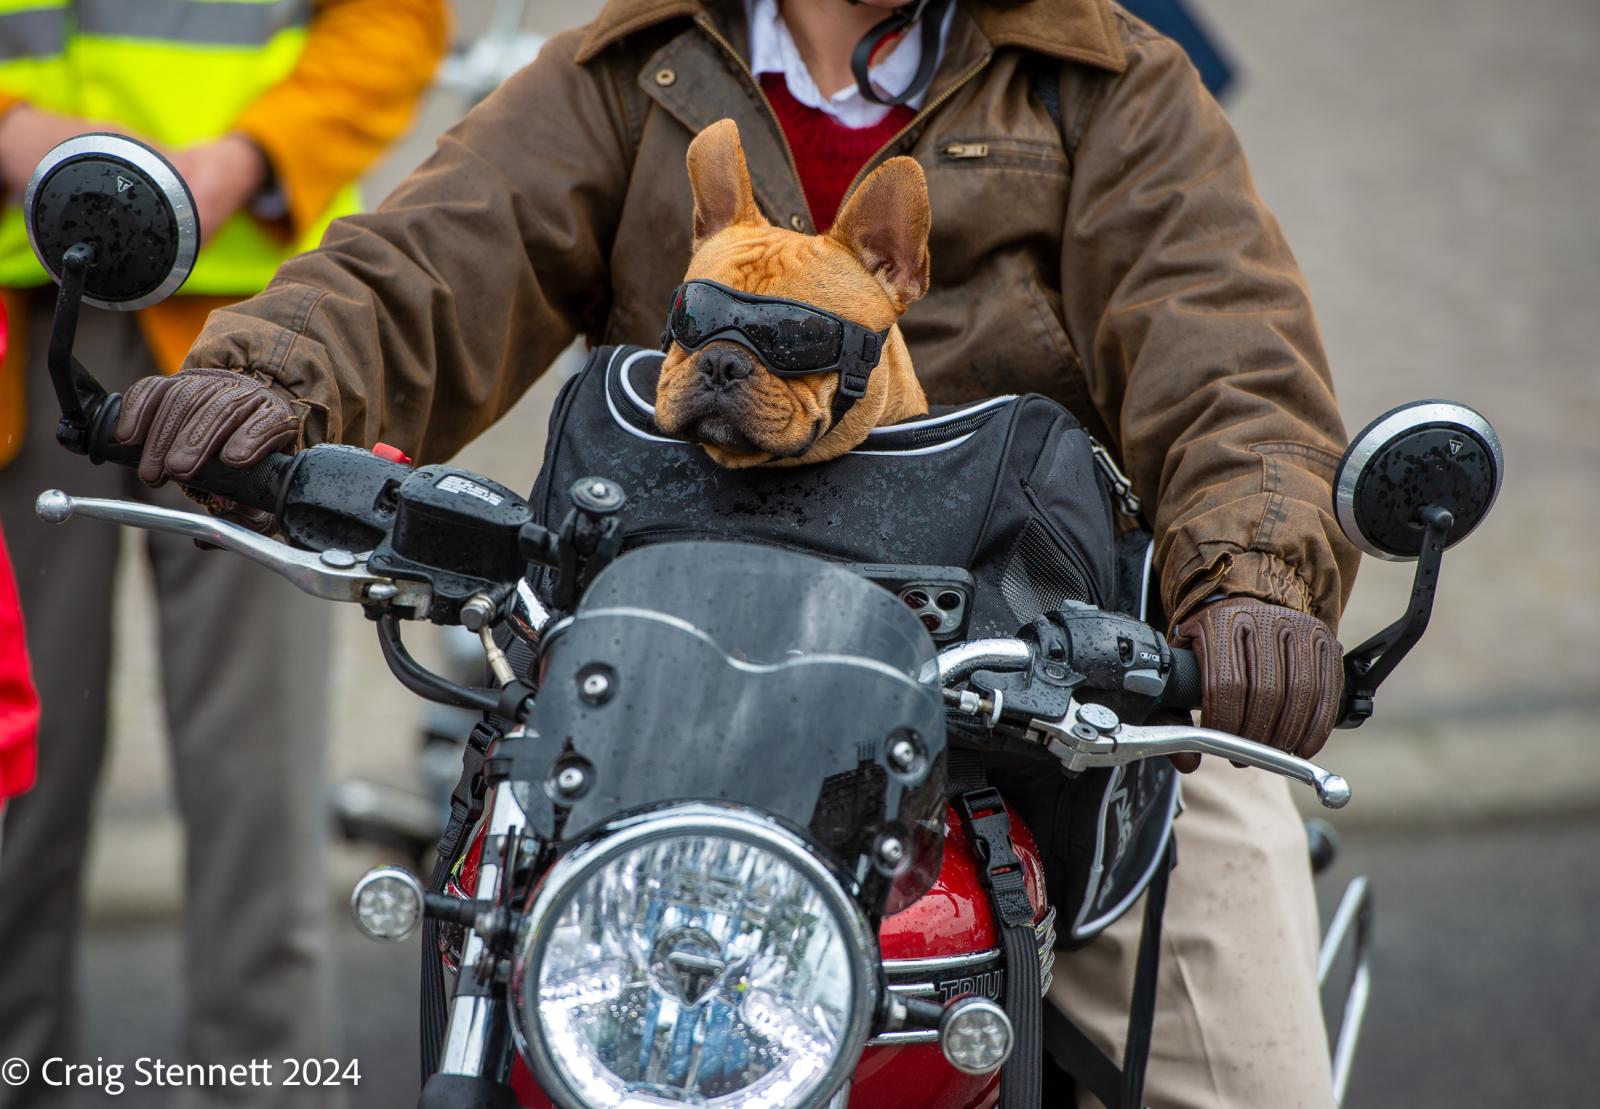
[[867, 269]]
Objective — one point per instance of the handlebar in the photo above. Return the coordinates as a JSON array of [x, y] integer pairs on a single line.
[[1185, 685], [1090, 735], [261, 486], [1084, 736]]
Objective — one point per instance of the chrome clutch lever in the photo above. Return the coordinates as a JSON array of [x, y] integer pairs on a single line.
[[332, 575], [1092, 735]]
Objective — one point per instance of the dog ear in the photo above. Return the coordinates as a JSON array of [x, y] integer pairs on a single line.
[[721, 182], [885, 224]]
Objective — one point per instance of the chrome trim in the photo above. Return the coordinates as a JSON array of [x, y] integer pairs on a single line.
[[967, 1004], [1370, 439], [377, 874], [1355, 910], [147, 161], [704, 819], [910, 1036], [305, 570], [953, 664], [475, 1041], [530, 610], [937, 963]]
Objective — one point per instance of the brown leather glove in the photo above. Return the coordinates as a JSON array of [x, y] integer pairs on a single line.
[[188, 419], [1272, 674]]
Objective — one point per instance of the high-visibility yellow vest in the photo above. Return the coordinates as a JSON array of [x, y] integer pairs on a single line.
[[174, 71]]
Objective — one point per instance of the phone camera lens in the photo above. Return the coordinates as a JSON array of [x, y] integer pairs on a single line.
[[915, 598], [949, 600], [931, 621]]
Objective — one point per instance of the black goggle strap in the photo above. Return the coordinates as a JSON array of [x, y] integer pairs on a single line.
[[931, 12], [856, 366]]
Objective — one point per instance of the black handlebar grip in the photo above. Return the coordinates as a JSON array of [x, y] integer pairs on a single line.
[[1185, 686], [261, 486]]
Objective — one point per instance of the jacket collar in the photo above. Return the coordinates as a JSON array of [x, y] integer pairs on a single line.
[[1072, 30]]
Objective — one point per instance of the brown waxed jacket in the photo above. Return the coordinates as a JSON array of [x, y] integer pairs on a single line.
[[1135, 277]]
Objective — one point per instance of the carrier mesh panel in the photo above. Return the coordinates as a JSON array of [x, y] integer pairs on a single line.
[[1039, 576]]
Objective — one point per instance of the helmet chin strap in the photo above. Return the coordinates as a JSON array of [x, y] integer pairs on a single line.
[[931, 13]]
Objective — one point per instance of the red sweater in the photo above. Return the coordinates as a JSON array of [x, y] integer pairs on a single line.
[[19, 706], [827, 153]]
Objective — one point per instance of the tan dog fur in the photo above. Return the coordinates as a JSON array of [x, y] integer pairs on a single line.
[[869, 267]]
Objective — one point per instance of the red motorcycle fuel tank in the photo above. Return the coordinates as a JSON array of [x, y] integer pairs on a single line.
[[945, 945]]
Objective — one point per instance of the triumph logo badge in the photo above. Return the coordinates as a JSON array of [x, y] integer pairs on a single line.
[[1455, 447], [687, 964], [988, 983], [123, 184]]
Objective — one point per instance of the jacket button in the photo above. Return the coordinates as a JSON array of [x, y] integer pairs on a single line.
[[796, 222], [665, 77]]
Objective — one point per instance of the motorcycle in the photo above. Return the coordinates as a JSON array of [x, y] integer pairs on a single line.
[[716, 858]]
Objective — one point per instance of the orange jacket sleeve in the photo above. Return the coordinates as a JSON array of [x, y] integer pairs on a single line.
[[365, 67]]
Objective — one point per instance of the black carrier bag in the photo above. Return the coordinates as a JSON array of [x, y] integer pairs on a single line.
[[1007, 489]]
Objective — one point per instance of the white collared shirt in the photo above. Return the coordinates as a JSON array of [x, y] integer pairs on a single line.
[[773, 50]]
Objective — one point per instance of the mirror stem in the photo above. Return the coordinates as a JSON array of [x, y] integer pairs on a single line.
[[76, 389], [1368, 665]]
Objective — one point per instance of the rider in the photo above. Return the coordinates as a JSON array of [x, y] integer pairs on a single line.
[[1096, 238]]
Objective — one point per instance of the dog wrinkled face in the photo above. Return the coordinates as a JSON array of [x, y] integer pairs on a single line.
[[867, 270], [723, 395]]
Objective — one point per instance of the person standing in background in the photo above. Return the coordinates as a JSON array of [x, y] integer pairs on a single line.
[[270, 109], [19, 704]]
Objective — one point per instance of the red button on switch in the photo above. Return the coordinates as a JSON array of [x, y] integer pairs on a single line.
[[391, 454]]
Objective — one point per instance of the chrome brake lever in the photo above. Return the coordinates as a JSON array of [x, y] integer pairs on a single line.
[[332, 575], [1092, 735]]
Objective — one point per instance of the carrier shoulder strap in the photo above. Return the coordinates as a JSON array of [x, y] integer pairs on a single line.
[[1039, 1026], [1074, 1052]]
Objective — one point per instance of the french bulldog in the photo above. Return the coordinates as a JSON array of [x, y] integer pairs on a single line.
[[869, 267]]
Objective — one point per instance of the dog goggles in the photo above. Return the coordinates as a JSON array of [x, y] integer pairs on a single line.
[[791, 337]]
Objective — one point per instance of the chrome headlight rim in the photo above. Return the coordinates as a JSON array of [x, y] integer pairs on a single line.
[[729, 821]]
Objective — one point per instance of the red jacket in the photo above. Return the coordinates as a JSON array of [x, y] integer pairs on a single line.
[[19, 705]]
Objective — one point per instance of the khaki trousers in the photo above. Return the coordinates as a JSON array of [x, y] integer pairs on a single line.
[[245, 683], [1238, 1021]]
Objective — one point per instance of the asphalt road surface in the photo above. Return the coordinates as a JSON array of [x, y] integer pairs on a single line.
[[1484, 997]]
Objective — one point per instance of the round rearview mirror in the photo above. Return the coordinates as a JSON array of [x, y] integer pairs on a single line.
[[126, 202], [1424, 453]]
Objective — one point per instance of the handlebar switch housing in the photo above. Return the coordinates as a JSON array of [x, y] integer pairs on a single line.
[[340, 496], [458, 531], [1124, 660]]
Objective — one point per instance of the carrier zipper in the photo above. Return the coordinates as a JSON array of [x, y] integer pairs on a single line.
[[1121, 487]]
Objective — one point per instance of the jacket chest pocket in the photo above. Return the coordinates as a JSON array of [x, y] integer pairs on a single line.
[[993, 198], [978, 152]]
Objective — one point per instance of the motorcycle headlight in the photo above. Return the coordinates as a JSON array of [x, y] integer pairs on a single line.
[[696, 955]]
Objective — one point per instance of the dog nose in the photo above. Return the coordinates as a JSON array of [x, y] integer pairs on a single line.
[[724, 365]]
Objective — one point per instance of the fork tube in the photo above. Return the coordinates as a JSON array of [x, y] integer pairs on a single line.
[[477, 1041]]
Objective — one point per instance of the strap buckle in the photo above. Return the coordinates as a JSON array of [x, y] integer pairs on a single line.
[[1121, 485], [983, 815]]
